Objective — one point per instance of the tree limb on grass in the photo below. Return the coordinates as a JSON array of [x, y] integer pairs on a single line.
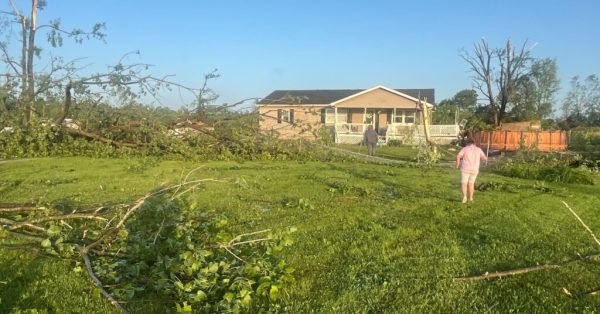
[[500, 274], [97, 282], [118, 226], [236, 241], [21, 209], [162, 223], [98, 137], [23, 236], [583, 223], [582, 294], [30, 223]]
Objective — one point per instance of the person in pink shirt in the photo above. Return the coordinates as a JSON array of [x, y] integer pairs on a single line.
[[468, 160]]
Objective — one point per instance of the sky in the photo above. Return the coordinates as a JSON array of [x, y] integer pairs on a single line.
[[260, 46]]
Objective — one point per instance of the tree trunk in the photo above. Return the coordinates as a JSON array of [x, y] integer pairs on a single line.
[[30, 55], [23, 99], [66, 105]]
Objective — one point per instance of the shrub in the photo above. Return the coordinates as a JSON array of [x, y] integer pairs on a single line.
[[547, 167]]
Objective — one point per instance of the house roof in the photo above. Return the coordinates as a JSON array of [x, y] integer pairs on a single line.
[[328, 96]]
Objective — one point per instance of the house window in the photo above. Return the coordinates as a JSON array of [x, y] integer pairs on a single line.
[[409, 117], [286, 116], [342, 116], [405, 117]]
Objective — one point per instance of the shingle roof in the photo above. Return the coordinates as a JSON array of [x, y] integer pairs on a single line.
[[327, 96]]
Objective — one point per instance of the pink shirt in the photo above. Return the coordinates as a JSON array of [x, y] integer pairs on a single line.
[[470, 156]]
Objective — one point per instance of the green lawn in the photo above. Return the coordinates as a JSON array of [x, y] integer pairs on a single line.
[[404, 152], [371, 238]]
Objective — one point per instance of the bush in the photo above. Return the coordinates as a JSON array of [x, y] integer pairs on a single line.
[[586, 141], [548, 167], [231, 140]]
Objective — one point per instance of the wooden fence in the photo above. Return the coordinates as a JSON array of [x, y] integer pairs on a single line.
[[515, 140]]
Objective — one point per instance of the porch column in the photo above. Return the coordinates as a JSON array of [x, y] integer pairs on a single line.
[[335, 124], [393, 122]]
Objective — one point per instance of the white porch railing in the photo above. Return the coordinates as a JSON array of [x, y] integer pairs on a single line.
[[350, 128], [440, 130], [349, 133], [352, 133], [441, 134]]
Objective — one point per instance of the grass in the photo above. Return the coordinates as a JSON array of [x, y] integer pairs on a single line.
[[370, 238], [404, 152]]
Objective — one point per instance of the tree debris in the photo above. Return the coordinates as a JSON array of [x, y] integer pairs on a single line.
[[500, 274], [583, 223]]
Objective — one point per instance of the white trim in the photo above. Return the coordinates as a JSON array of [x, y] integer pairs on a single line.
[[393, 91], [292, 105]]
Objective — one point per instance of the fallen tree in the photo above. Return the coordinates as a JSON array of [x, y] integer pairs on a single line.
[[159, 244]]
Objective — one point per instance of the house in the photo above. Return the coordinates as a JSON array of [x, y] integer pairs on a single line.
[[346, 113]]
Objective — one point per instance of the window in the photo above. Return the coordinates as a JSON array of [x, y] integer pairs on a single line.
[[409, 118], [342, 116], [286, 116], [405, 117]]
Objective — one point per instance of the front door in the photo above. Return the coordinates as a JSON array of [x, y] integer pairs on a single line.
[[372, 119]]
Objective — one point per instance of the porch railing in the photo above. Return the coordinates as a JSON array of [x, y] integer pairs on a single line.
[[350, 128], [352, 133]]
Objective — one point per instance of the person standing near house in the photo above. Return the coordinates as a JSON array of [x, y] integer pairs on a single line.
[[468, 160], [370, 139]]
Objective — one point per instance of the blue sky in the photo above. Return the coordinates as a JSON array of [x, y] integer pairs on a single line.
[[259, 46]]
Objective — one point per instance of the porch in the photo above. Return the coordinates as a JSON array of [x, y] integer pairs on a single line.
[[404, 127], [350, 124]]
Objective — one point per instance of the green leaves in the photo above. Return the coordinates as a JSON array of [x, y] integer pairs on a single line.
[[188, 262], [184, 308], [46, 243]]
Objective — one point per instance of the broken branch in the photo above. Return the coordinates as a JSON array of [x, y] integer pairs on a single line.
[[30, 223], [500, 274], [97, 282], [581, 221]]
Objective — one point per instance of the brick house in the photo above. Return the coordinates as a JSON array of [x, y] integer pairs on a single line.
[[346, 112]]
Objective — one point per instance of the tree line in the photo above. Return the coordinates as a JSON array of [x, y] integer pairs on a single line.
[[510, 84]]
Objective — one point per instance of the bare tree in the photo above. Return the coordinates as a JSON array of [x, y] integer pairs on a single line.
[[496, 72], [66, 78], [23, 70]]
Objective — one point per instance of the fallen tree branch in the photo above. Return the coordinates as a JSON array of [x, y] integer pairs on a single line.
[[98, 137], [162, 223], [97, 282], [251, 241], [234, 242], [582, 294], [30, 223], [239, 237], [113, 230], [12, 223], [24, 236], [500, 274], [581, 221], [21, 209]]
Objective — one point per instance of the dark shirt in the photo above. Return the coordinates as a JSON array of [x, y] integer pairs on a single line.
[[371, 137]]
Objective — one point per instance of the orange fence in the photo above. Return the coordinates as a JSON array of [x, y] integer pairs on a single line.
[[514, 140]]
